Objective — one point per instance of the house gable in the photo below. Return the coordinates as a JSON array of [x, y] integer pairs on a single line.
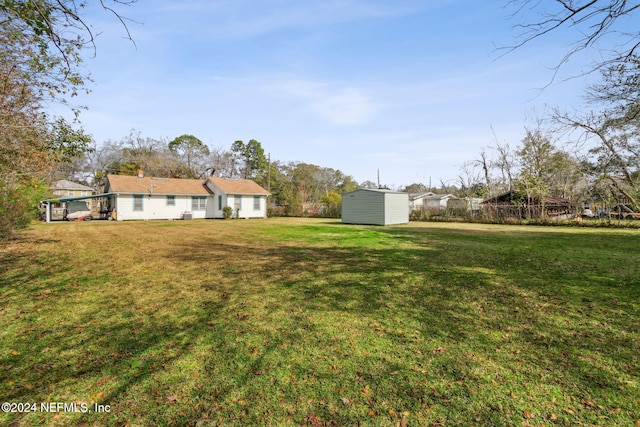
[[245, 197], [236, 186]]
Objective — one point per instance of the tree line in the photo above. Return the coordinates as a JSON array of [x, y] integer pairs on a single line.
[[297, 188]]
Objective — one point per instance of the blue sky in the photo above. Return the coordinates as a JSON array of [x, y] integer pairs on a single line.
[[410, 87]]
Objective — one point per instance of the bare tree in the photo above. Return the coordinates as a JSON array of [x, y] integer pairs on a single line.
[[505, 163], [594, 24], [470, 179], [612, 152], [484, 163]]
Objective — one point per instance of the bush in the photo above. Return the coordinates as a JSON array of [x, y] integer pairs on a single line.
[[276, 211], [19, 204], [227, 212]]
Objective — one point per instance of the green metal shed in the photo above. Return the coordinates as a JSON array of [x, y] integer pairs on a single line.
[[375, 207]]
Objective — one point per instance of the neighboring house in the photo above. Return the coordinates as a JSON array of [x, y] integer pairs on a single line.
[[375, 207], [143, 198], [437, 201], [430, 201], [416, 201], [64, 188]]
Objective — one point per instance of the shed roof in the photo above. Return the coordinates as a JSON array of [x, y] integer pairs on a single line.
[[134, 184], [238, 186], [377, 190]]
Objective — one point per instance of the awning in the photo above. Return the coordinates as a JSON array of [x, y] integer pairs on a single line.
[[69, 199]]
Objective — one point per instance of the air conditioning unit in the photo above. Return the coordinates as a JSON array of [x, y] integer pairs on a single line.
[[187, 215]]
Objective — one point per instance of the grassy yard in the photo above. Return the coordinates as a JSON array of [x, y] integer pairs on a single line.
[[310, 322]]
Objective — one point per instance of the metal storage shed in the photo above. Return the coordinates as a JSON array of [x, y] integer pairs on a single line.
[[375, 207]]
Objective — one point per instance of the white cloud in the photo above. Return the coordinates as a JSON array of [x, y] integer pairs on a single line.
[[338, 106]]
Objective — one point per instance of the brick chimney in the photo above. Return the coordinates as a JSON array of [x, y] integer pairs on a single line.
[[140, 173]]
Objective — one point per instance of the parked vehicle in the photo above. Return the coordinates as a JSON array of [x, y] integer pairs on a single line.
[[77, 210]]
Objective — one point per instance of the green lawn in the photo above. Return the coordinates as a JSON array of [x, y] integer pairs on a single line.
[[311, 322]]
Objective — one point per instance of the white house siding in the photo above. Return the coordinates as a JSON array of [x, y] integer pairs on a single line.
[[437, 201], [246, 203], [155, 207], [417, 202]]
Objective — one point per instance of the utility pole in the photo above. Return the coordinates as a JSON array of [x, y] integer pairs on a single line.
[[378, 178]]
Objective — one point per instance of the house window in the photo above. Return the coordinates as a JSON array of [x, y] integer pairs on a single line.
[[138, 200], [171, 200], [220, 202], [198, 203], [256, 203]]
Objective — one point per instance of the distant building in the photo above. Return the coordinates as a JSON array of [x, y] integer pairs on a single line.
[[64, 188], [416, 201]]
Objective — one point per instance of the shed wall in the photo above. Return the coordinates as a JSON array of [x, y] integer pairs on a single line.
[[396, 208], [363, 207]]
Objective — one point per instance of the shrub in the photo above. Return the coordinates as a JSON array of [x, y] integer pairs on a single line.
[[19, 204], [227, 212]]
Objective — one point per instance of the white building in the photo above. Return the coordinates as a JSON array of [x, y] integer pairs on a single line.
[[143, 198], [416, 201]]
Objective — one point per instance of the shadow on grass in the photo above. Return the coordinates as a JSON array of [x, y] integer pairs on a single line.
[[280, 327], [570, 321]]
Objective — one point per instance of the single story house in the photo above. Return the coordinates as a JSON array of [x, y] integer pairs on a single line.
[[416, 201], [141, 197], [430, 201], [375, 207], [437, 201]]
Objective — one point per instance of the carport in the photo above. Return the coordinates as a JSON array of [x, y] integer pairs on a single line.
[[50, 202]]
